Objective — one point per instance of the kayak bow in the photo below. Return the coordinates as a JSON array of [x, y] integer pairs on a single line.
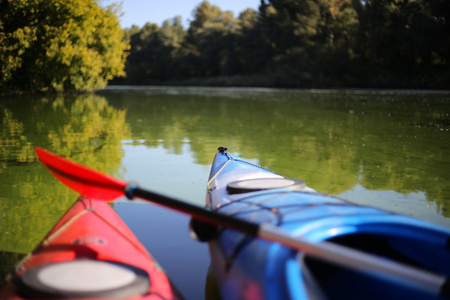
[[246, 267], [91, 254]]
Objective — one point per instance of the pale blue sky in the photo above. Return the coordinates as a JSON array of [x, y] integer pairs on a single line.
[[140, 12]]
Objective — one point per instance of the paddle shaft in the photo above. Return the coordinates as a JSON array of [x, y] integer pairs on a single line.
[[326, 251]]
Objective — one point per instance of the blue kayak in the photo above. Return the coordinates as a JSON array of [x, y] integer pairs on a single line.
[[245, 267]]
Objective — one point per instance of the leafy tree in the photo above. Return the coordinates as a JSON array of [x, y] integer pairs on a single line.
[[310, 41], [208, 17], [250, 42], [141, 58], [406, 42], [337, 42], [59, 45], [155, 51], [210, 36], [291, 23], [171, 37]]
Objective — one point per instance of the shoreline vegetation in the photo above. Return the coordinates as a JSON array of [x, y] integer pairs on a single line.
[[261, 81], [78, 46], [298, 44], [171, 87]]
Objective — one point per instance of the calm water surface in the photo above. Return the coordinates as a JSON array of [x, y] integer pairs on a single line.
[[384, 149]]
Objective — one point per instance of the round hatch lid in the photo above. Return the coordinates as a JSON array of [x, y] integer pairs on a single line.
[[253, 185], [84, 278]]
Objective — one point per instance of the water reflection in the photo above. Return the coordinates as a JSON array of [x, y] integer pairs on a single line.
[[334, 141], [85, 128]]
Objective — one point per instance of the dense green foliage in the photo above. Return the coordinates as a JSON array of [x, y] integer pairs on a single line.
[[59, 45], [307, 43]]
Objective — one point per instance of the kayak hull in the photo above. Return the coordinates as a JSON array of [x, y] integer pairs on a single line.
[[251, 268], [90, 253]]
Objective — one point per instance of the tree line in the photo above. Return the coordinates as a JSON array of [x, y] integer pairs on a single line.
[[292, 43], [78, 45]]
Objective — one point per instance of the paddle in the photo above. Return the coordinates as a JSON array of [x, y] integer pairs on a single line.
[[99, 186]]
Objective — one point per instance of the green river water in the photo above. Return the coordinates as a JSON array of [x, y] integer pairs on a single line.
[[380, 148]]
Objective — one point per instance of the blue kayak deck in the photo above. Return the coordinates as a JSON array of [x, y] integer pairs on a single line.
[[243, 264]]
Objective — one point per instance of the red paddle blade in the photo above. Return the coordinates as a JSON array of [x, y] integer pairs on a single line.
[[81, 179]]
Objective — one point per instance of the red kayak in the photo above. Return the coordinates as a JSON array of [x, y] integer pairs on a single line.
[[90, 254]]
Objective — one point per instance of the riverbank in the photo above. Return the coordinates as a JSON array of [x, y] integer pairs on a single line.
[[279, 80]]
